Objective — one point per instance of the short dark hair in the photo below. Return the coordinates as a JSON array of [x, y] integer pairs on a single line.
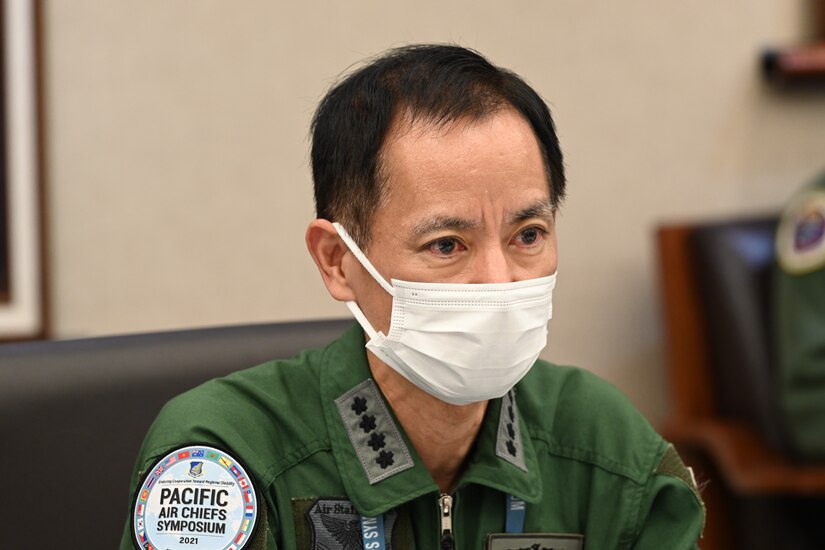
[[433, 82]]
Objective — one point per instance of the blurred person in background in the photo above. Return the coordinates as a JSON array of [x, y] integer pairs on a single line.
[[800, 305]]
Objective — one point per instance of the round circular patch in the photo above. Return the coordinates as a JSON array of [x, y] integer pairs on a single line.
[[196, 497], [800, 239]]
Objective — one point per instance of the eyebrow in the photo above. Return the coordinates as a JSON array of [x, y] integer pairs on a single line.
[[541, 209], [440, 223]]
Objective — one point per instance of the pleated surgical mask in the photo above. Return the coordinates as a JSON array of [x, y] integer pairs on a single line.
[[461, 343]]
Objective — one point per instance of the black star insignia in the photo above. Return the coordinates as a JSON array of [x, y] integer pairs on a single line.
[[385, 459], [367, 423], [510, 431], [359, 405], [511, 447], [376, 441]]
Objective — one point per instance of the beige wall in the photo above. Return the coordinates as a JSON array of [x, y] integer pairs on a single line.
[[177, 150]]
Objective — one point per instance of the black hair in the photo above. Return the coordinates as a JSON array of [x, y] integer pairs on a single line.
[[433, 82]]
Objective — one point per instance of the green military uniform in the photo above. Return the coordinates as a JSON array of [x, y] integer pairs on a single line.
[[800, 306], [319, 440]]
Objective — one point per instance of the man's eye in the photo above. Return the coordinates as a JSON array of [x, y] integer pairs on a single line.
[[530, 236], [444, 247]]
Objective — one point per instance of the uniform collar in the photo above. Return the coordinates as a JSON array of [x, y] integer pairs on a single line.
[[380, 468]]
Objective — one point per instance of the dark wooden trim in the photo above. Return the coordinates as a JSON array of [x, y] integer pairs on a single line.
[[691, 386], [42, 172], [746, 462], [5, 228], [36, 35]]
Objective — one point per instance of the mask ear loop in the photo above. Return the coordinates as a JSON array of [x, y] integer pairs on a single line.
[[362, 258], [352, 306]]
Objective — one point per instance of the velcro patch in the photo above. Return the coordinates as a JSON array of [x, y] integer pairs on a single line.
[[671, 465], [333, 522], [196, 497], [529, 541]]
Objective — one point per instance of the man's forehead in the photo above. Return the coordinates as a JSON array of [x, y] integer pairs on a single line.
[[503, 139]]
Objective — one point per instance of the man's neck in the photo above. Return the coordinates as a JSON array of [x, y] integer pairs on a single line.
[[443, 434]]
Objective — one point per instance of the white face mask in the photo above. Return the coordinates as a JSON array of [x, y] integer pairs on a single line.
[[461, 343]]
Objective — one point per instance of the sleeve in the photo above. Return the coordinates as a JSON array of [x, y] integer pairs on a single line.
[[801, 352], [799, 287], [165, 435], [142, 463], [672, 513]]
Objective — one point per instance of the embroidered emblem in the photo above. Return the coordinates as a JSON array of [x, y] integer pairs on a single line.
[[373, 433], [800, 239], [335, 523], [184, 502], [508, 440], [534, 541], [195, 469]]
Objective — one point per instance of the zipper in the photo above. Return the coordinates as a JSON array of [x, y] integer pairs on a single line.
[[445, 507]]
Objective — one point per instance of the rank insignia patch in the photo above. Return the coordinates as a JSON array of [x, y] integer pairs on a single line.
[[373, 433], [800, 239], [508, 440]]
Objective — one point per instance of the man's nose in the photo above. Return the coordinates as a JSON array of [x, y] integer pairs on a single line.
[[492, 266]]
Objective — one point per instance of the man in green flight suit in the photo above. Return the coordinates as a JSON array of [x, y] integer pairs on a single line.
[[432, 425], [800, 306]]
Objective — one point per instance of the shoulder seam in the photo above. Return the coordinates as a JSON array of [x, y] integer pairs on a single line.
[[293, 458], [597, 459]]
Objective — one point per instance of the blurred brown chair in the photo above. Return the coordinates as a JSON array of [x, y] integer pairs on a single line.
[[716, 293]]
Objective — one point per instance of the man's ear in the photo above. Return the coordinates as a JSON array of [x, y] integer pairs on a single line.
[[328, 251]]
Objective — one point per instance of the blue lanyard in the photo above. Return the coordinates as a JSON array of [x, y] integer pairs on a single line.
[[516, 509], [372, 529], [372, 533]]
